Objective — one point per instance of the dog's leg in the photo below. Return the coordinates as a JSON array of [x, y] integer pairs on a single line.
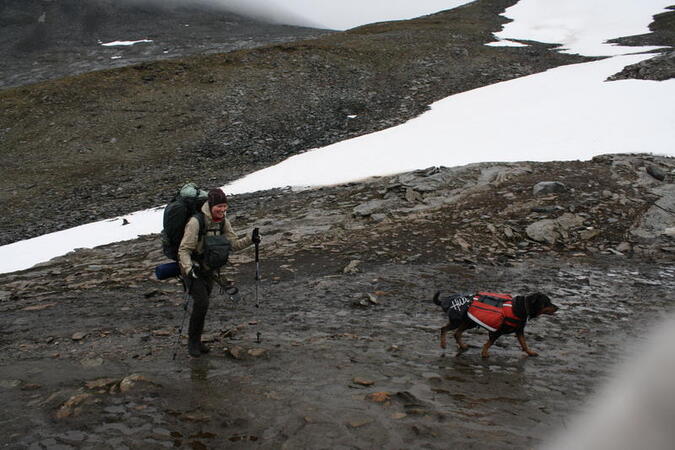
[[461, 346], [444, 335], [491, 340], [520, 334]]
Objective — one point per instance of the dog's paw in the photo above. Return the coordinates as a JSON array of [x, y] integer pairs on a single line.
[[531, 353]]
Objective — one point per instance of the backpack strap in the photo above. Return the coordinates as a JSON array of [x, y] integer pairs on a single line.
[[202, 224]]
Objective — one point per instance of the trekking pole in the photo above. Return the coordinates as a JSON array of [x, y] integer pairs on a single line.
[[257, 281], [186, 301]]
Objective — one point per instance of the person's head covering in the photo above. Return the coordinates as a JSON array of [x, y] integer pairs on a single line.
[[216, 197]]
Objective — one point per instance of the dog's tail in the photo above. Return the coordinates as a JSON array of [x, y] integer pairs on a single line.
[[437, 296]]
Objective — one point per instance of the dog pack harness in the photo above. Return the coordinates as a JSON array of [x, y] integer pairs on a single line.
[[494, 311]]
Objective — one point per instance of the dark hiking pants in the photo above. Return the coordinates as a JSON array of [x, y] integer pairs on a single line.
[[200, 290]]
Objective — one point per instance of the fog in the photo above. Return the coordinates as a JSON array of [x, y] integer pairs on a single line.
[[636, 409], [331, 14]]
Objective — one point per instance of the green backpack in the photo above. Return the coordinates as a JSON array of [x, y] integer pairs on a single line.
[[187, 203]]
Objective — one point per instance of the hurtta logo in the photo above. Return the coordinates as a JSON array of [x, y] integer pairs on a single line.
[[457, 303]]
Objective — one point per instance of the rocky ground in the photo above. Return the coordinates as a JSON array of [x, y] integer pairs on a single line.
[[349, 354]]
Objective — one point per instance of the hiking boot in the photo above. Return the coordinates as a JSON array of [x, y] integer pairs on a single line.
[[194, 347], [203, 348]]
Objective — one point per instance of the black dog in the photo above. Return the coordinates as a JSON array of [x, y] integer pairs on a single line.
[[498, 313]]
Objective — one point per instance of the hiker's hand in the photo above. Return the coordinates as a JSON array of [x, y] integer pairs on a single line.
[[255, 236]]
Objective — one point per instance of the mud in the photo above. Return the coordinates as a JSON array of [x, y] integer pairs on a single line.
[[325, 357]]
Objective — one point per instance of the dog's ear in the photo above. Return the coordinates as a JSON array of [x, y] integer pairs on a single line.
[[437, 298], [538, 296]]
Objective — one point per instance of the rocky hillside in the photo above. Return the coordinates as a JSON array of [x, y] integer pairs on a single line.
[[129, 136], [51, 39]]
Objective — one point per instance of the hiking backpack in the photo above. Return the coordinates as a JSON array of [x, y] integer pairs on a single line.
[[185, 204]]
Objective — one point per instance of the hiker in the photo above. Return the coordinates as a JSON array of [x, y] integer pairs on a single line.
[[199, 277]]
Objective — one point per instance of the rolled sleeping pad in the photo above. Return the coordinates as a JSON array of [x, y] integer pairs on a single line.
[[168, 270]]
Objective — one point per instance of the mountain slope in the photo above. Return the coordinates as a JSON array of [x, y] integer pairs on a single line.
[[130, 135], [45, 40]]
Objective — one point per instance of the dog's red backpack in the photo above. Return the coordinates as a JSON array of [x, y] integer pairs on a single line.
[[492, 311]]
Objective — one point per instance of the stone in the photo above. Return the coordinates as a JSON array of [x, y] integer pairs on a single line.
[[508, 232], [130, 382], [209, 337], [589, 234], [195, 417], [352, 267], [548, 187], [374, 206], [257, 352], [362, 381], [236, 352], [659, 219], [379, 397], [39, 307], [545, 209], [358, 423], [543, 231], [624, 247], [412, 196], [101, 383], [90, 363], [71, 406], [551, 231], [79, 336], [362, 303], [462, 243], [656, 172], [10, 383], [163, 332]]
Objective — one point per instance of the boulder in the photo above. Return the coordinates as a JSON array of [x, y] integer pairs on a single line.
[[656, 172], [352, 267], [130, 382], [374, 206], [551, 231], [659, 220], [412, 196], [72, 406], [549, 187]]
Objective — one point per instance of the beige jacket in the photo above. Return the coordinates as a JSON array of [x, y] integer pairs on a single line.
[[191, 244]]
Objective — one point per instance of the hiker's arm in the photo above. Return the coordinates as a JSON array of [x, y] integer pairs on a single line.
[[188, 245], [235, 241]]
